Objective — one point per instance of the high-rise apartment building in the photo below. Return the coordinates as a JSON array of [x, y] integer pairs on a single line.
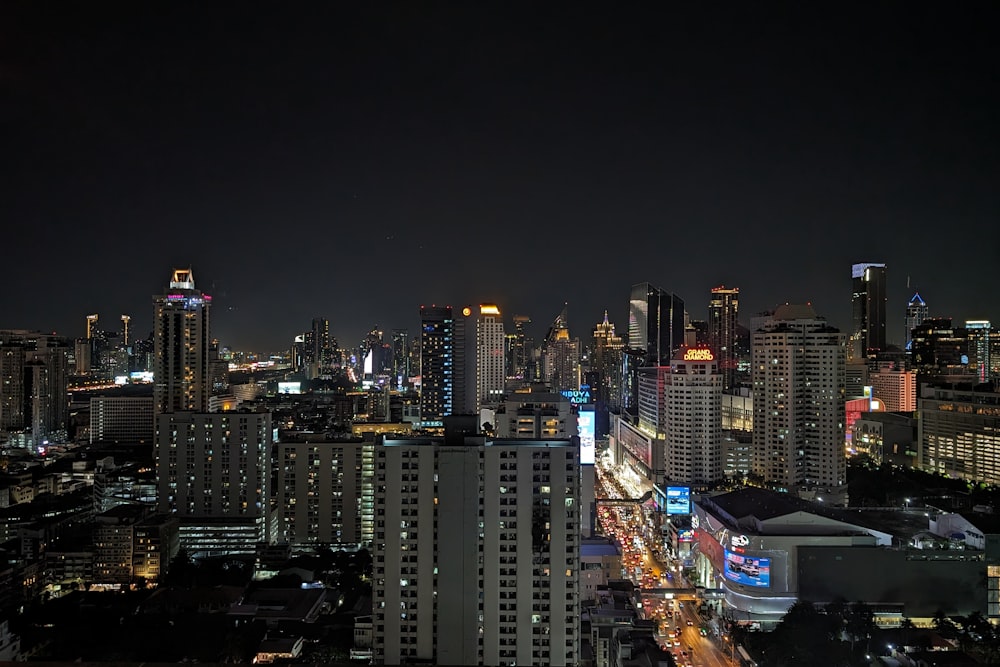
[[490, 364], [916, 313], [213, 473], [693, 406], [437, 369], [323, 493], [400, 358], [608, 361], [655, 323], [182, 340], [518, 349], [723, 311], [121, 419], [868, 305], [477, 552], [798, 403]]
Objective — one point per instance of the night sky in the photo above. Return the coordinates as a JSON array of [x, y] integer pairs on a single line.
[[356, 160]]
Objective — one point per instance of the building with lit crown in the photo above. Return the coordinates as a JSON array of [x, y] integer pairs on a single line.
[[490, 359], [916, 312], [693, 403], [182, 339]]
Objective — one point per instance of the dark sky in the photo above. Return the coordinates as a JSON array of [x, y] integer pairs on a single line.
[[354, 160]]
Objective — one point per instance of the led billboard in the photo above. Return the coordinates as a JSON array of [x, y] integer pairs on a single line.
[[748, 570], [678, 500], [289, 387], [585, 429]]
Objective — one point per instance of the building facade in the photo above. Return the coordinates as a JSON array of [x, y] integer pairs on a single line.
[[182, 340], [693, 403], [868, 305], [798, 402], [723, 313], [655, 323], [477, 552], [959, 434], [437, 370]]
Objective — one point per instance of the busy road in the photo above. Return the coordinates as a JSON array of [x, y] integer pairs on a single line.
[[693, 638]]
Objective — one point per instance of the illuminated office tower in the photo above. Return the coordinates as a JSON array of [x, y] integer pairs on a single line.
[[437, 330], [477, 552], [798, 404], [490, 365], [693, 406], [978, 333], [916, 313], [213, 472], [655, 323], [609, 349], [723, 310], [518, 348], [464, 363], [561, 356], [400, 358], [182, 340], [868, 308]]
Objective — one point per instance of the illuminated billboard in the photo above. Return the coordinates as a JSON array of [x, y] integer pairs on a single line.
[[289, 387], [685, 535], [748, 570], [585, 429], [678, 500]]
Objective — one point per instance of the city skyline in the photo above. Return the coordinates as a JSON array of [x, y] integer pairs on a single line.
[[354, 163]]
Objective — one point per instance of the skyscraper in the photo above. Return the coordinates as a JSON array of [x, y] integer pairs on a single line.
[[490, 365], [979, 335], [723, 309], [34, 369], [916, 313], [400, 358], [182, 340], [476, 553], [437, 330], [693, 406], [518, 348], [798, 404], [655, 323], [609, 364], [561, 356], [868, 305]]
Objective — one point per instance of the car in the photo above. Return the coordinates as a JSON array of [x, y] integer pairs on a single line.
[[690, 622]]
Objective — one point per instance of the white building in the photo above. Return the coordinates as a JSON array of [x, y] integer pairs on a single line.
[[213, 472], [798, 398], [477, 551], [693, 402], [895, 387], [490, 366]]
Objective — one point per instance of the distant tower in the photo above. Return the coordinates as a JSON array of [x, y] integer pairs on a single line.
[[490, 376], [978, 333], [400, 357], [916, 313], [798, 404], [561, 356], [608, 351], [92, 325], [181, 343], [868, 307], [437, 331], [518, 348], [125, 322], [723, 309], [655, 323]]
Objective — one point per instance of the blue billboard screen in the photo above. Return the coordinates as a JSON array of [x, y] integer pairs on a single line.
[[748, 570], [678, 500], [585, 429]]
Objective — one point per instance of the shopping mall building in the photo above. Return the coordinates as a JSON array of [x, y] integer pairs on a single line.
[[764, 551]]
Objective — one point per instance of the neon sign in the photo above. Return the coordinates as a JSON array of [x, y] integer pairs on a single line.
[[740, 541], [698, 354]]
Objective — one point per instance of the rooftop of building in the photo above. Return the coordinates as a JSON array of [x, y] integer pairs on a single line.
[[597, 547]]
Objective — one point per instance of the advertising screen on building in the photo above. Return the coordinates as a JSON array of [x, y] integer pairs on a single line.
[[748, 570], [685, 535], [678, 500], [585, 429], [289, 387]]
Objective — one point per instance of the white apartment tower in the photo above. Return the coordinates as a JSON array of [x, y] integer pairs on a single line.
[[477, 552], [798, 404], [693, 402], [490, 364]]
